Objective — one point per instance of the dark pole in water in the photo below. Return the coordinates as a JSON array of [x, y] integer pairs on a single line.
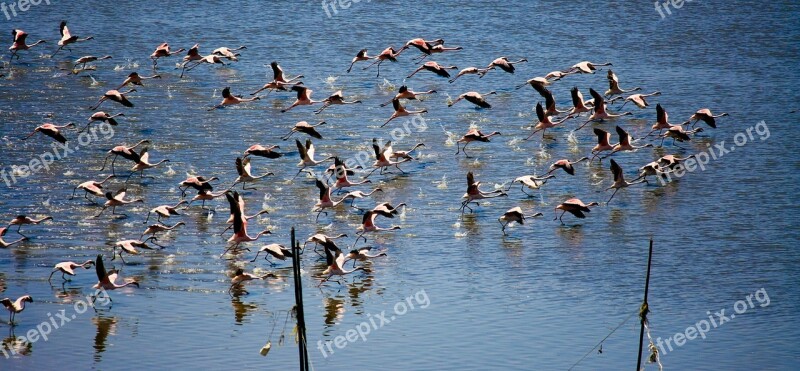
[[298, 295], [645, 308]]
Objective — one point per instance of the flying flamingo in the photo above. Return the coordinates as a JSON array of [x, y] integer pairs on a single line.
[[135, 79], [549, 100], [435, 68], [558, 75], [19, 42], [405, 93], [126, 152], [305, 128], [613, 85], [3, 243], [15, 307], [239, 226], [229, 99], [117, 199], [206, 195], [307, 155], [152, 229], [52, 131], [87, 59], [575, 207], [504, 65], [530, 181], [423, 45], [400, 111], [619, 180], [335, 261], [639, 99], [210, 59], [68, 267], [192, 55], [228, 53], [240, 200], [706, 116], [243, 169], [144, 164], [340, 172], [382, 158], [164, 211], [163, 51], [544, 122], [130, 246], [362, 254], [625, 143], [277, 74], [405, 154], [566, 165], [67, 38], [320, 238], [386, 209], [353, 195], [468, 71], [199, 183], [578, 104], [514, 214], [360, 57], [325, 200], [116, 96], [475, 98], [92, 187], [603, 144], [600, 113], [240, 277], [536, 83], [368, 225], [387, 54], [21, 220], [277, 251], [262, 151], [435, 49], [677, 133], [662, 121], [303, 97], [586, 67], [473, 135], [335, 98], [107, 280], [474, 194], [102, 117]]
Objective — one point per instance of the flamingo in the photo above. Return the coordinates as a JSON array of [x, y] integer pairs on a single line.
[[199, 183], [277, 74], [578, 104], [639, 99], [360, 57], [163, 51], [19, 42], [474, 194], [21, 220], [102, 117], [662, 121], [438, 48], [262, 151], [164, 211], [229, 99], [277, 251], [335, 261], [473, 135], [530, 181], [107, 280], [625, 143], [536, 83], [353, 195], [92, 187], [307, 155], [67, 38], [126, 152], [239, 226], [193, 54], [325, 199], [386, 209], [600, 113], [152, 229], [335, 98], [243, 169], [504, 65], [575, 207], [68, 267], [240, 200], [514, 214], [144, 164], [586, 67], [405, 154], [206, 195], [3, 243], [274, 85], [619, 180], [303, 97], [116, 96], [549, 100], [435, 68], [613, 86], [603, 138], [15, 307], [544, 122], [468, 71], [305, 128], [340, 172], [240, 277], [320, 238], [88, 59], [52, 131], [421, 44], [362, 254], [387, 54], [135, 79], [382, 158], [130, 246], [405, 93], [566, 165], [677, 133], [368, 225], [475, 98], [400, 111], [210, 59], [117, 199], [558, 75], [706, 116], [228, 53], [661, 166]]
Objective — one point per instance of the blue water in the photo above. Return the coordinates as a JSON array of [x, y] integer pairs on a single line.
[[540, 298]]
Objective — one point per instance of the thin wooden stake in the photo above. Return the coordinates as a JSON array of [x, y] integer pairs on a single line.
[[645, 306]]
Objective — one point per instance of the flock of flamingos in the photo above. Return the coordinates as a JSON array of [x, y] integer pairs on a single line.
[[548, 116]]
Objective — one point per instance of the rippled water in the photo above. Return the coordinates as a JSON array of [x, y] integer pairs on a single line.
[[539, 298]]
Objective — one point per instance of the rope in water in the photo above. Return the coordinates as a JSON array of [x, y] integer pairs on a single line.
[[604, 339]]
